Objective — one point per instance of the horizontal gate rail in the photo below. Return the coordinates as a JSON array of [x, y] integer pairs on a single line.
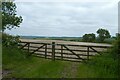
[[86, 46], [58, 52], [35, 42]]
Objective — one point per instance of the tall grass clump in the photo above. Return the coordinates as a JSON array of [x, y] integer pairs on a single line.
[[11, 57], [107, 65]]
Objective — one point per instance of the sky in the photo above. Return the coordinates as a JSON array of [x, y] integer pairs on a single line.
[[72, 18]]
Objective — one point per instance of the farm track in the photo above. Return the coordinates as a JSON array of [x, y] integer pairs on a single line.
[[72, 70]]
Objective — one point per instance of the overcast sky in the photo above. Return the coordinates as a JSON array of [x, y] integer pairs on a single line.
[[66, 18]]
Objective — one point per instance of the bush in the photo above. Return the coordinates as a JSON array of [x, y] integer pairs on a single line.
[[9, 40], [109, 40]]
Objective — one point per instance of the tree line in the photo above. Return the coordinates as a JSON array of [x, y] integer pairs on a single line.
[[102, 35]]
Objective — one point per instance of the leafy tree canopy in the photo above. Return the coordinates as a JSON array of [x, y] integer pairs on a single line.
[[89, 37], [103, 34], [9, 17]]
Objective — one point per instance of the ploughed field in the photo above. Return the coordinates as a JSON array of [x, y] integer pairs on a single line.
[[67, 54]]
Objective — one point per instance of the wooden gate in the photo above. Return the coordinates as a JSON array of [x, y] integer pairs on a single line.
[[67, 52]]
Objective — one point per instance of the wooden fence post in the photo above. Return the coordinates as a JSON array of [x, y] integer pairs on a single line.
[[61, 51], [28, 47], [53, 51], [45, 51], [88, 53]]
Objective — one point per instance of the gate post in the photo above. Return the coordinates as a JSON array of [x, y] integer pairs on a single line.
[[45, 51], [88, 53], [28, 47], [61, 51], [53, 51]]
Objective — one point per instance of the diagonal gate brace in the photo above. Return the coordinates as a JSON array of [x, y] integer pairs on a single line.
[[73, 52], [95, 50], [38, 48], [24, 45]]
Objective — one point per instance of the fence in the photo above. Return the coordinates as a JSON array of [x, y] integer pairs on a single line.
[[65, 52]]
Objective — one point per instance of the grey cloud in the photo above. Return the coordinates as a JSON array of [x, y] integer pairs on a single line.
[[71, 19]]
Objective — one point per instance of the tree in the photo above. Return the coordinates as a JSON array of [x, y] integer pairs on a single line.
[[89, 37], [103, 34], [9, 20], [9, 17]]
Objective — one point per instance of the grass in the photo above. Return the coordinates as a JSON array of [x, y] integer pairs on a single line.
[[99, 67], [20, 66], [107, 64], [104, 67], [31, 67]]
